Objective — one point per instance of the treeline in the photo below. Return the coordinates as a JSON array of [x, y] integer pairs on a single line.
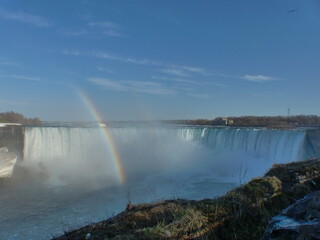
[[277, 121], [257, 121], [191, 122], [13, 117]]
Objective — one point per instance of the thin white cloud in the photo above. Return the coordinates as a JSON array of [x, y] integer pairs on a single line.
[[179, 80], [258, 78], [172, 69], [112, 33], [184, 71], [5, 76], [75, 73], [107, 28], [73, 33], [95, 28], [8, 63], [175, 72], [22, 17], [103, 69], [121, 59], [104, 55], [13, 102], [189, 82], [73, 52], [261, 95], [183, 89], [105, 24], [198, 70], [199, 95], [178, 72], [110, 84], [216, 84], [26, 78], [132, 86]]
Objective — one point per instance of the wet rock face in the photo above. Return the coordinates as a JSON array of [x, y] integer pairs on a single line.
[[301, 220]]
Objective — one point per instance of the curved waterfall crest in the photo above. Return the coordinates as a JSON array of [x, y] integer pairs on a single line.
[[280, 145]]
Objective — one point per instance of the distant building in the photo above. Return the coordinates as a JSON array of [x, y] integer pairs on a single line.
[[222, 121], [227, 121]]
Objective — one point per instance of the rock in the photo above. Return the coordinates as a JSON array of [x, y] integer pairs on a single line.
[[300, 220]]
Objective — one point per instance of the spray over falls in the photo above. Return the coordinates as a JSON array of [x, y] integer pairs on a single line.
[[82, 152]]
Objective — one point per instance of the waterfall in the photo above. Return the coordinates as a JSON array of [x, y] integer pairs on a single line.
[[68, 153], [56, 142], [67, 150], [279, 145], [53, 142]]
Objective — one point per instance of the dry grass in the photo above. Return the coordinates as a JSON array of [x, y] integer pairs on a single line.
[[241, 214]]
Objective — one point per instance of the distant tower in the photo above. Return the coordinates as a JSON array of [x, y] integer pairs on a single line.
[[288, 112]]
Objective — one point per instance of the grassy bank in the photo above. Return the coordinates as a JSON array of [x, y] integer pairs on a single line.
[[243, 213]]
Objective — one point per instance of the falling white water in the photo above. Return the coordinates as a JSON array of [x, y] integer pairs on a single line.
[[278, 145], [68, 154], [143, 150]]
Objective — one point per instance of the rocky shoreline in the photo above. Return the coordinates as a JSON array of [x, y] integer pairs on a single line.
[[243, 213]]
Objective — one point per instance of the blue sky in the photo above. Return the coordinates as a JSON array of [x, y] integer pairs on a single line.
[[159, 59]]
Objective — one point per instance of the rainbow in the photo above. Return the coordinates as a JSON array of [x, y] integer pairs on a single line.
[[106, 136]]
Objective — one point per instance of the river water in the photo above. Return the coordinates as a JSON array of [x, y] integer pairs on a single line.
[[70, 176]]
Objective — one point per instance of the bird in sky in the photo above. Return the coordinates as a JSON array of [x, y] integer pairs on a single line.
[[292, 10]]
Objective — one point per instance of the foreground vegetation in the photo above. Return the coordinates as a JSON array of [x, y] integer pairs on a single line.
[[242, 213], [13, 117]]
